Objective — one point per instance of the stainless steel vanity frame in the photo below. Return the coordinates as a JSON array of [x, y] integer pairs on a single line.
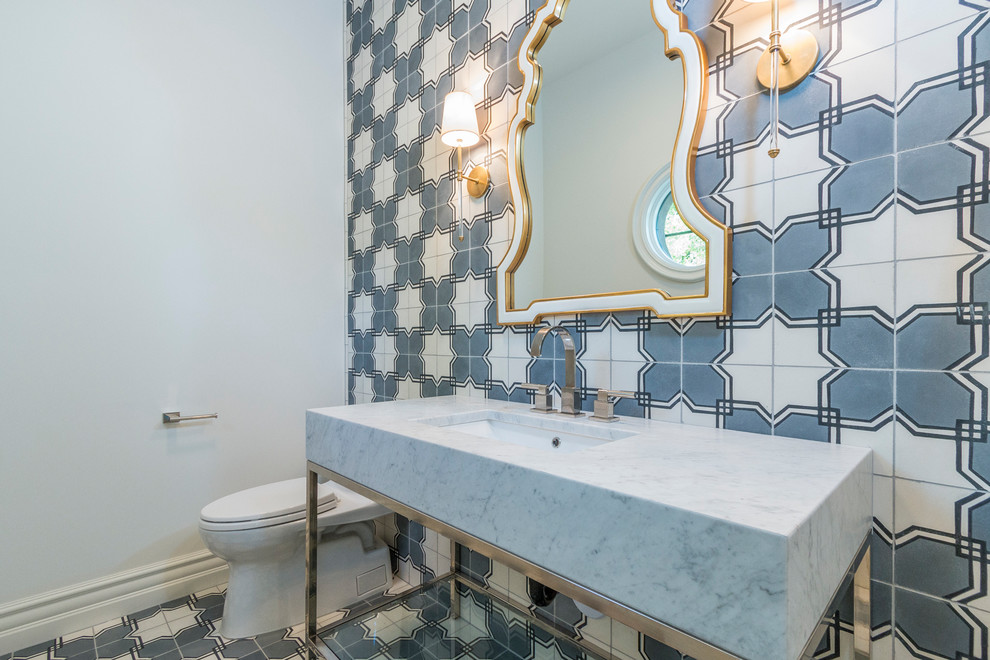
[[858, 575]]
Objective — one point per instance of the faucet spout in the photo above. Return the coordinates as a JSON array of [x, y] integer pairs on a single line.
[[568, 396]]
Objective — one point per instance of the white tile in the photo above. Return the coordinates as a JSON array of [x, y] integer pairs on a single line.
[[753, 384], [399, 586], [752, 346], [674, 414], [517, 588], [151, 623], [499, 578], [443, 547], [597, 374], [182, 622], [625, 344], [927, 281], [597, 345], [361, 74], [798, 154], [927, 459], [865, 31], [796, 386], [363, 311], [749, 167], [917, 16], [929, 234], [694, 418], [625, 376], [362, 240], [436, 52], [883, 501], [511, 371], [463, 630], [385, 353], [751, 204], [84, 632], [880, 441], [873, 73], [384, 184], [797, 347], [407, 29], [430, 538], [119, 621], [327, 619], [407, 215], [930, 54], [597, 631], [625, 642], [407, 389], [473, 76], [868, 285], [154, 633], [432, 562], [407, 574], [363, 145], [500, 19], [925, 505], [384, 269]]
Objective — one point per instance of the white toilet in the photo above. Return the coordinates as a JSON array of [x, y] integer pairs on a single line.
[[260, 532]]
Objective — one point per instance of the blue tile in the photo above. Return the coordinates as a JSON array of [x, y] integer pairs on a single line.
[[934, 626]]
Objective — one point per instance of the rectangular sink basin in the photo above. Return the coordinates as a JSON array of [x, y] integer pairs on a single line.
[[550, 433]]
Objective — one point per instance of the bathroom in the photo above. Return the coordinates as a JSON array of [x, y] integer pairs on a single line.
[[187, 227]]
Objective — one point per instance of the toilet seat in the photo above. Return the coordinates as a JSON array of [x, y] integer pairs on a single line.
[[348, 507], [271, 504]]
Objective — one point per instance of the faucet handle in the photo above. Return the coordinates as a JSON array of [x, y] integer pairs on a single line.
[[605, 404], [543, 399]]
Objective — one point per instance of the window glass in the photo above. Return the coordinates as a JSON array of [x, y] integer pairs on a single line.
[[681, 244]]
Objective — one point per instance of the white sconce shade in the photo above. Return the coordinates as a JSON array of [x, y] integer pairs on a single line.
[[459, 127]]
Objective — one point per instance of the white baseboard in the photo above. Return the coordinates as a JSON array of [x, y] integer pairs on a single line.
[[43, 617]]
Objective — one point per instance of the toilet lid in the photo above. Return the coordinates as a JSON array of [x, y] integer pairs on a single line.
[[282, 498]]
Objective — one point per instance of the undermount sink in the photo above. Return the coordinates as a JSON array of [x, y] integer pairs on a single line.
[[550, 433]]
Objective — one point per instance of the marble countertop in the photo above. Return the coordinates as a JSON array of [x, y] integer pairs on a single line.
[[737, 538]]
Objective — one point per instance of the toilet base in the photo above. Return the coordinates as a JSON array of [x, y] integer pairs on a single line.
[[265, 596]]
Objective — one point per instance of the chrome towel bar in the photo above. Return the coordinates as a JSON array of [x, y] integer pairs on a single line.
[[174, 417]]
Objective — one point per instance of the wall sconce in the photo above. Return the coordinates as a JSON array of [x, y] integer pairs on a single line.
[[459, 128], [796, 55]]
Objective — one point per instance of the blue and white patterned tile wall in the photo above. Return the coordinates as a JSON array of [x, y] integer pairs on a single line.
[[861, 297]]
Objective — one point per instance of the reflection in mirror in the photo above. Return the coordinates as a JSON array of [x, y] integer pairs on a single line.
[[605, 125], [604, 193]]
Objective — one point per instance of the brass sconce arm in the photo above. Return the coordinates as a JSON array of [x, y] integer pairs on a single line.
[[478, 179]]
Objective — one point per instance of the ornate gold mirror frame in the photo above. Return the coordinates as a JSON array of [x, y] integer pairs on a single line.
[[716, 299]]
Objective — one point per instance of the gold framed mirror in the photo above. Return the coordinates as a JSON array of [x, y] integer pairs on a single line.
[[601, 168]]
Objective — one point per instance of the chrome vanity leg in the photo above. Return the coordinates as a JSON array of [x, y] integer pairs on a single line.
[[455, 601], [861, 609], [310, 622]]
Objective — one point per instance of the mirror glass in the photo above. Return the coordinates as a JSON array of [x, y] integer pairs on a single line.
[[596, 161]]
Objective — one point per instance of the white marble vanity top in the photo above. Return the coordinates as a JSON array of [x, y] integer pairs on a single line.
[[737, 538]]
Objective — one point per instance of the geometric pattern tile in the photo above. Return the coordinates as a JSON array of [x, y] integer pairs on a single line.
[[185, 628], [861, 284], [422, 625]]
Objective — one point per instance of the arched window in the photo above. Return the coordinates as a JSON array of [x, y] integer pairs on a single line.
[[662, 238]]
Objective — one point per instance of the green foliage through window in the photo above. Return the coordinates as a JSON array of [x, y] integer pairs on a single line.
[[682, 245]]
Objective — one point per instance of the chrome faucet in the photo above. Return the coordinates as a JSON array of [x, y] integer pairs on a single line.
[[569, 404]]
